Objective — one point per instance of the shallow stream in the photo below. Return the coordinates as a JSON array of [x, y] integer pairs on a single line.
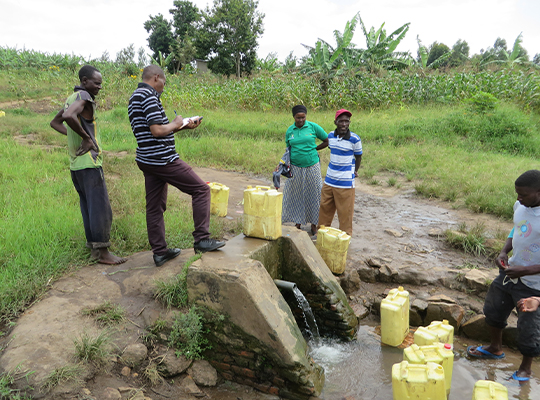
[[362, 369]]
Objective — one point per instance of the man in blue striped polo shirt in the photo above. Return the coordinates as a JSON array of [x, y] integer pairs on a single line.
[[161, 165], [338, 188]]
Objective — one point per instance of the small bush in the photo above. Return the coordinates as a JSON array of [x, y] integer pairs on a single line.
[[482, 102], [93, 349], [187, 335], [173, 292]]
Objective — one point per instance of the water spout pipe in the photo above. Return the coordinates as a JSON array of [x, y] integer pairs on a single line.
[[285, 285]]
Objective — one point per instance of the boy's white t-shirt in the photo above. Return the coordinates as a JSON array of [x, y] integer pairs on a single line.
[[526, 241]]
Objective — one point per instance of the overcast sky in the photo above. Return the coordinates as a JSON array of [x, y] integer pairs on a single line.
[[91, 27]]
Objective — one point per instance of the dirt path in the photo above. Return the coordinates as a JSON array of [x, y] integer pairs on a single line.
[[389, 223]]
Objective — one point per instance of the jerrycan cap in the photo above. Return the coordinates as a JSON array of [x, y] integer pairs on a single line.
[[447, 346], [445, 321]]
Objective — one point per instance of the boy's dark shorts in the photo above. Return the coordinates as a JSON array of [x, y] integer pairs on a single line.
[[501, 299]]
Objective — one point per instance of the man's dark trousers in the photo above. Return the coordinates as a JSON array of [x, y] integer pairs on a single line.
[[180, 175]]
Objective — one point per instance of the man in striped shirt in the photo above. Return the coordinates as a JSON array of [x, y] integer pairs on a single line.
[[157, 158], [338, 187]]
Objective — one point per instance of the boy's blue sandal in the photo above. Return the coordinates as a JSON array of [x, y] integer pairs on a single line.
[[484, 354], [520, 378]]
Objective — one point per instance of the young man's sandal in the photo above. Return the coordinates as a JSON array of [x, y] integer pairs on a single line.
[[484, 354], [520, 378]]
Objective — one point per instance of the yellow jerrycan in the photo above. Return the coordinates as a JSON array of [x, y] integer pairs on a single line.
[[489, 390], [219, 199], [437, 331], [262, 212], [333, 245], [418, 381], [395, 317], [439, 353]]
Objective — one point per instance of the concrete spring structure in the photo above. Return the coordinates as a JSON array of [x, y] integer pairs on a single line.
[[255, 338]]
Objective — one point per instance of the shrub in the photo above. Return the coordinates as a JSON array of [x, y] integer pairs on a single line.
[[187, 334], [482, 102]]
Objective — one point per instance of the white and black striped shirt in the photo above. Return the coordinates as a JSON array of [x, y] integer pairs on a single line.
[[145, 109]]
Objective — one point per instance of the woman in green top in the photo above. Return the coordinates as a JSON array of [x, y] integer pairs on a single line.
[[302, 192]]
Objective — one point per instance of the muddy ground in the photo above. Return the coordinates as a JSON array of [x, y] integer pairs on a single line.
[[390, 223]]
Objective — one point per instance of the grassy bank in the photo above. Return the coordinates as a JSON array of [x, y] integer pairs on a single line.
[[451, 152]]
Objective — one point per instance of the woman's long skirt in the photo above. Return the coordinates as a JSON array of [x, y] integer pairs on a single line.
[[302, 195]]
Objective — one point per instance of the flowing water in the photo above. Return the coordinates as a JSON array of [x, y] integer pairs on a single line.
[[311, 327], [362, 369]]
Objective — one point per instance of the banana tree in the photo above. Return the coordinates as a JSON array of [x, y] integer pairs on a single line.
[[424, 55], [513, 58], [381, 47]]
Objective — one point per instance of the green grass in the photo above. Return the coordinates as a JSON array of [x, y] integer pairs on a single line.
[[106, 314], [93, 349], [67, 373], [173, 292]]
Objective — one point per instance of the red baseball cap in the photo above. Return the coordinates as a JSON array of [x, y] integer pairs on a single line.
[[341, 112]]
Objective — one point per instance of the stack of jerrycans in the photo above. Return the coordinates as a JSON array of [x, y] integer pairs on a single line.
[[435, 332], [395, 317], [438, 353], [418, 381], [333, 245], [262, 212], [489, 390], [219, 199]]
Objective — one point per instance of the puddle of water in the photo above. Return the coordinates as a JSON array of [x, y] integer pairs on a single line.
[[363, 370]]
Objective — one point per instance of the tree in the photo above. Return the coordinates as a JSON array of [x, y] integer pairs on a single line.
[[228, 37], [161, 37], [380, 52], [186, 16], [436, 51], [536, 59], [460, 54], [500, 55]]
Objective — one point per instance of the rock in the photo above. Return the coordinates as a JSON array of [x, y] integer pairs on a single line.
[[387, 273], [437, 311], [126, 371], [420, 305], [350, 281], [86, 391], [134, 354], [189, 386], [417, 312], [393, 233], [442, 298], [415, 319], [406, 229], [111, 394], [360, 310], [377, 262], [203, 373], [367, 273], [172, 365], [479, 280], [476, 328]]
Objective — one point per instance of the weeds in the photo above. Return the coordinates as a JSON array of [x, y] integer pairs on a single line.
[[151, 374], [93, 349], [173, 291], [62, 375], [470, 241], [106, 314], [7, 379], [187, 335]]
